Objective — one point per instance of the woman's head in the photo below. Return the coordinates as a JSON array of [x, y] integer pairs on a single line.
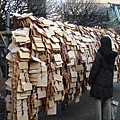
[[106, 41], [106, 46]]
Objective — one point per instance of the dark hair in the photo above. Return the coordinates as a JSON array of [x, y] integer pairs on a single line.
[[106, 46]]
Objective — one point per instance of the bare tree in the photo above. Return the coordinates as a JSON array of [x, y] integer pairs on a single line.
[[54, 9], [37, 7], [11, 6], [85, 12], [43, 8]]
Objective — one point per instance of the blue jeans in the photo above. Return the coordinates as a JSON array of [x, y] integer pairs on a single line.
[[103, 109]]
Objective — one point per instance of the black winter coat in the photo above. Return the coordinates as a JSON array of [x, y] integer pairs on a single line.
[[101, 76]]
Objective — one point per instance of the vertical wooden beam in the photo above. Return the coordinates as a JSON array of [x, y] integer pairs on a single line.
[[6, 46]]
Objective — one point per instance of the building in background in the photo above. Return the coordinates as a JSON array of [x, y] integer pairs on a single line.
[[114, 16]]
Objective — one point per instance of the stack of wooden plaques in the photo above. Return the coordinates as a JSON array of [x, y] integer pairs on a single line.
[[50, 62]]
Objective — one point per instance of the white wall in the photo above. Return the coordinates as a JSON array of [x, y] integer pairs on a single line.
[[111, 1]]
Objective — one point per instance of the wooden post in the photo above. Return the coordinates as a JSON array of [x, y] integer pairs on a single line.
[[7, 43], [5, 32], [6, 46]]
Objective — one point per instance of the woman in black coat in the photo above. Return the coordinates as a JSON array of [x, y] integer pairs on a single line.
[[101, 79]]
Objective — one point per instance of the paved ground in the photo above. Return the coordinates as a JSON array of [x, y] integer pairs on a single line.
[[84, 110]]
